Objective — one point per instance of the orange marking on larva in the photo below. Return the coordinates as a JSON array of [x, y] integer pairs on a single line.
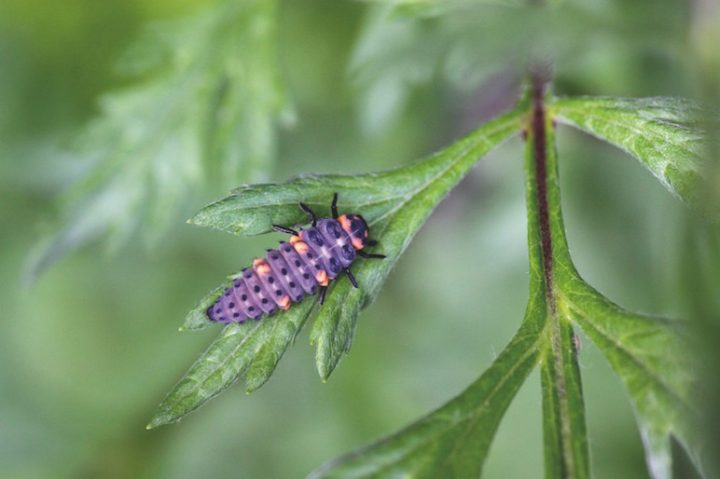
[[357, 242], [322, 278], [284, 302], [261, 267], [345, 223], [301, 247], [294, 239]]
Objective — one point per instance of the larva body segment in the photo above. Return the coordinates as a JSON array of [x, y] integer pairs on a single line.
[[309, 261]]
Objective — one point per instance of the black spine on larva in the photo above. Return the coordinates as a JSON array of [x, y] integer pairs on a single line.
[[286, 274]]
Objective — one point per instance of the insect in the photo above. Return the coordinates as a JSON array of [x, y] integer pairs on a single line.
[[302, 266]]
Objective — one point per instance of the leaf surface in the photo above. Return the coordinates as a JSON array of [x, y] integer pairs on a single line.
[[656, 361], [395, 204], [667, 135], [454, 440], [252, 349]]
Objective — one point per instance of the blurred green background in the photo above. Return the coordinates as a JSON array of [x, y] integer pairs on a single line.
[[89, 349]]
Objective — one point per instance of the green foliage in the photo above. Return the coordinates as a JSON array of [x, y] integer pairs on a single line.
[[199, 109], [454, 440], [395, 203], [205, 103], [652, 356], [252, 349], [206, 99], [666, 134]]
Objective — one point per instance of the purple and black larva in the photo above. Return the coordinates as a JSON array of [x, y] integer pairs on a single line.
[[307, 263]]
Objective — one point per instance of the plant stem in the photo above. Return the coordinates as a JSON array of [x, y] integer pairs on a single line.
[[566, 452], [539, 78]]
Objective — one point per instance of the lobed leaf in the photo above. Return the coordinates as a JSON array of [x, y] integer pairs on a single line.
[[667, 135], [395, 203], [210, 94], [454, 440], [655, 360], [252, 348]]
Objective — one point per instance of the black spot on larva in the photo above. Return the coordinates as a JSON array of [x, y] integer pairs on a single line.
[[227, 292], [292, 284], [297, 262], [334, 229], [348, 251], [309, 255], [248, 274], [236, 283], [306, 276], [313, 288], [264, 301], [357, 225], [236, 315], [274, 256], [278, 292], [218, 310], [221, 318], [334, 266], [256, 289], [231, 305], [271, 280], [317, 266], [251, 308], [283, 272], [287, 247], [315, 237], [243, 297]]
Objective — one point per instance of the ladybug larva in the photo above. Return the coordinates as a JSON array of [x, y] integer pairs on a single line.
[[303, 266]]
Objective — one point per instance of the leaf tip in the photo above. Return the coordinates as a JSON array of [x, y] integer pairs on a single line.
[[154, 423]]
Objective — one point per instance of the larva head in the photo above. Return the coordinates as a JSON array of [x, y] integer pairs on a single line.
[[356, 227]]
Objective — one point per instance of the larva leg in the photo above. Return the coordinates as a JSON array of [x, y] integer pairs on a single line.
[[284, 229], [311, 214], [323, 290], [365, 255], [351, 277], [333, 206]]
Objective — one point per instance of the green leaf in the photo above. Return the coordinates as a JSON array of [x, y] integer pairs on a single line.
[[453, 441], [395, 203], [565, 436], [667, 135], [655, 360], [252, 348], [209, 94]]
